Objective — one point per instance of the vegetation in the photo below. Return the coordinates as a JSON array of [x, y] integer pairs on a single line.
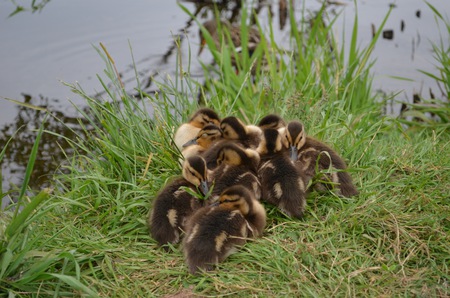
[[34, 6], [89, 237]]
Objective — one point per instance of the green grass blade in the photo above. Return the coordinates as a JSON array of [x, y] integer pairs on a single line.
[[19, 219]]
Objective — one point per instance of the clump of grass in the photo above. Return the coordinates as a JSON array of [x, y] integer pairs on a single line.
[[391, 240], [26, 264]]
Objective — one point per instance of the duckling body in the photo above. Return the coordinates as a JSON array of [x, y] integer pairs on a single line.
[[281, 183], [173, 205], [216, 231], [312, 156], [234, 129], [236, 166], [188, 131]]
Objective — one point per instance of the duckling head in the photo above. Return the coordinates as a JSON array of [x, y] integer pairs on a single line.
[[295, 138], [195, 171], [233, 128], [203, 117], [271, 121], [271, 142], [236, 197], [206, 136], [235, 155]]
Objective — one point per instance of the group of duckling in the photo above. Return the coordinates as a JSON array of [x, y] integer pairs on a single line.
[[228, 167]]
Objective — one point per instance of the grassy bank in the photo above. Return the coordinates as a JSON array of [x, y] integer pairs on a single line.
[[89, 237]]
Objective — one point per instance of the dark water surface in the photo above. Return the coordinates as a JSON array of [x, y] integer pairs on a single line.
[[40, 50]]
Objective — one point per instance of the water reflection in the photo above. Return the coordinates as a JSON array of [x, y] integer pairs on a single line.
[[229, 10], [52, 148]]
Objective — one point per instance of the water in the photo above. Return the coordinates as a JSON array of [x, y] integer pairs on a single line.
[[40, 50]]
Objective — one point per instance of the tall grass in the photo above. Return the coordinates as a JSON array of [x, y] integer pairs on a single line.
[[26, 263], [91, 238], [434, 111]]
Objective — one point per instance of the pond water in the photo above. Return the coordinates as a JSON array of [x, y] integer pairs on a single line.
[[40, 51]]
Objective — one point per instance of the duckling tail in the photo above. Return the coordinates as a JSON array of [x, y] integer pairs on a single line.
[[346, 185]]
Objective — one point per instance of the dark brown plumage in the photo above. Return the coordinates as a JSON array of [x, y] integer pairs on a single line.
[[173, 205], [281, 183], [216, 231], [236, 166], [271, 121], [309, 152], [234, 129]]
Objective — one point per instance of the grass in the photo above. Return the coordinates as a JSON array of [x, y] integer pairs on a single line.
[[89, 238]]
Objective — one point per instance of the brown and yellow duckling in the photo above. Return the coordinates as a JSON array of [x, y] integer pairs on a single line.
[[309, 152], [281, 183], [188, 131], [236, 166], [173, 205], [205, 138], [216, 231], [234, 129]]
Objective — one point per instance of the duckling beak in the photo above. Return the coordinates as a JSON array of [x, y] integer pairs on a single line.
[[189, 143], [202, 45], [293, 153], [215, 204], [204, 187]]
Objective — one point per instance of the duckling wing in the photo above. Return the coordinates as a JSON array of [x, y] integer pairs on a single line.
[[336, 160], [226, 176], [170, 210], [311, 160], [213, 235], [283, 186]]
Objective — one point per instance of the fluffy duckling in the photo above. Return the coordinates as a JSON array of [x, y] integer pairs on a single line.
[[282, 184], [188, 131], [208, 135], [247, 135], [309, 152], [216, 231], [236, 166], [173, 205]]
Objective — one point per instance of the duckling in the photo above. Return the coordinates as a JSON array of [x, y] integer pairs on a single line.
[[247, 135], [236, 166], [282, 184], [208, 135], [188, 131], [307, 152], [216, 231], [173, 204]]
